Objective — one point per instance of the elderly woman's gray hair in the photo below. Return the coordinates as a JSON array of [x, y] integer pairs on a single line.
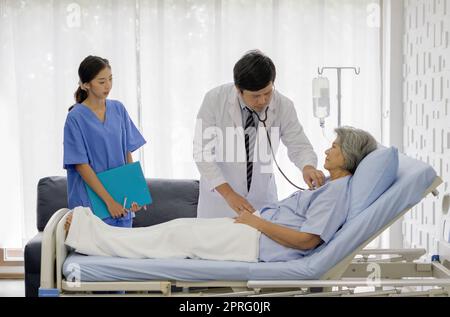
[[355, 145]]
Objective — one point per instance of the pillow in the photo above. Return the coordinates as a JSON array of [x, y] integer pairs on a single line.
[[373, 176]]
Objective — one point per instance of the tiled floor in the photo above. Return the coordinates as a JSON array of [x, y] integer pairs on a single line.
[[12, 288]]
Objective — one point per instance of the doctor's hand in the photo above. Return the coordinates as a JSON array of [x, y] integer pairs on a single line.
[[238, 203], [313, 177]]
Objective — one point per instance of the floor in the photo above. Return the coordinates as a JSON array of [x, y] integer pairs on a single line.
[[12, 288]]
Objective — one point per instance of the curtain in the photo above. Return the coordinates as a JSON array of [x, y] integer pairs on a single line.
[[165, 55]]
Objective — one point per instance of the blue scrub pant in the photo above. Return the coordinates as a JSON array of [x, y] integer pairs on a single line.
[[124, 222]]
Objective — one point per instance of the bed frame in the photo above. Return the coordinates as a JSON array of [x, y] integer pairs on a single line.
[[365, 272]]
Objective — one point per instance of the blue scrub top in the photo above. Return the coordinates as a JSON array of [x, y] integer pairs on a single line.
[[321, 212], [103, 145]]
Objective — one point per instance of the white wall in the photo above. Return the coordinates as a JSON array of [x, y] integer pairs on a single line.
[[426, 95]]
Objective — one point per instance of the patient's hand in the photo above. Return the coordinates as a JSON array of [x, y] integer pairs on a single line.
[[68, 221], [248, 219]]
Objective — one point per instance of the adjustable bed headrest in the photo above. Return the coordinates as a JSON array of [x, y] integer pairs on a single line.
[[374, 175]]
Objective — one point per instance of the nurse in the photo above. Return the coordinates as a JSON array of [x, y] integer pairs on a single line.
[[236, 168], [98, 135]]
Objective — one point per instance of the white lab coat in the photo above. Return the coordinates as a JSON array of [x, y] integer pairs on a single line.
[[214, 158]]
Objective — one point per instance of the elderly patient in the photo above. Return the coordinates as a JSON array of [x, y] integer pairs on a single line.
[[282, 231]]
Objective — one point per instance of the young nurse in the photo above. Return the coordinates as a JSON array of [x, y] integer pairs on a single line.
[[98, 135]]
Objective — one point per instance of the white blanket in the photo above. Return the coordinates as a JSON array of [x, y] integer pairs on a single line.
[[211, 239]]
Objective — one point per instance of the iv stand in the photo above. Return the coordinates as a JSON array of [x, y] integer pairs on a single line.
[[339, 96]]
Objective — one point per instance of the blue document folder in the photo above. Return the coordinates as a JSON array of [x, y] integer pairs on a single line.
[[124, 181]]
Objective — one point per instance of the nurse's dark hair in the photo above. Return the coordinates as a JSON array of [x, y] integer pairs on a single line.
[[355, 145], [254, 71], [89, 68]]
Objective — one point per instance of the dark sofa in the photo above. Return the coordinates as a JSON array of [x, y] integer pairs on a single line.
[[171, 199]]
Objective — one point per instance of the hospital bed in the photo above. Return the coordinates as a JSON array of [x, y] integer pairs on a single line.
[[340, 268]]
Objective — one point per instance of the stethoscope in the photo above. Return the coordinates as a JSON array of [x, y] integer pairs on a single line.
[[270, 142]]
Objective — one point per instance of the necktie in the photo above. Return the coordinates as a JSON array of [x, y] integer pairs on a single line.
[[250, 137]]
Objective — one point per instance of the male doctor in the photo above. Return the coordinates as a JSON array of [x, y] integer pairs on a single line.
[[230, 143]]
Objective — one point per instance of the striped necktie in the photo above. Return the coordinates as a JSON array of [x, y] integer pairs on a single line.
[[250, 137]]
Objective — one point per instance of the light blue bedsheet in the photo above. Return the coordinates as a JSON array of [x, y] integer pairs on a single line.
[[414, 177]]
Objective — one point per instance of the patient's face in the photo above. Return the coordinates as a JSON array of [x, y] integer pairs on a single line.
[[334, 159]]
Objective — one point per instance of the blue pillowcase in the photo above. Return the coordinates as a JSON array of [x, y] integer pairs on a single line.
[[374, 175]]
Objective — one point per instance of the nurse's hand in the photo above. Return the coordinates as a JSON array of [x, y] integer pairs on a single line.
[[313, 177], [239, 203], [115, 209], [135, 207]]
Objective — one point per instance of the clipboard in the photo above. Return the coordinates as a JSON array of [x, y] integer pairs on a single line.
[[124, 181]]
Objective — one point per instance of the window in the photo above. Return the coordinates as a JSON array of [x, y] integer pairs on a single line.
[[165, 55]]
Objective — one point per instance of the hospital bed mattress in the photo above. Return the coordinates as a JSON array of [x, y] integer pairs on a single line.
[[413, 178]]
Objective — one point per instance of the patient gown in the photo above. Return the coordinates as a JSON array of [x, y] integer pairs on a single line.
[[320, 212], [103, 145]]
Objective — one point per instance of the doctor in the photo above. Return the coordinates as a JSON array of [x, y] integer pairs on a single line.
[[230, 144]]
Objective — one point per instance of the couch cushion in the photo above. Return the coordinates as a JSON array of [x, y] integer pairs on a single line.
[[32, 254], [32, 283], [51, 196], [374, 175], [171, 199]]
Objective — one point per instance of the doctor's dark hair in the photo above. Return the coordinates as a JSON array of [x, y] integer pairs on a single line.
[[254, 71], [355, 145], [89, 68]]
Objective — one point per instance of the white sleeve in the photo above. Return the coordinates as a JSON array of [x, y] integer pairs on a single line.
[[206, 139], [300, 150]]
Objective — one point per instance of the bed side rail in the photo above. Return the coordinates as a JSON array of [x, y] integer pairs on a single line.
[[48, 254], [408, 255], [61, 251]]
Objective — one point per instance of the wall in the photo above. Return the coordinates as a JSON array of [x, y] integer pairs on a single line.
[[426, 134]]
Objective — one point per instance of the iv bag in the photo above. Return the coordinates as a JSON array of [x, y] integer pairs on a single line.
[[321, 97]]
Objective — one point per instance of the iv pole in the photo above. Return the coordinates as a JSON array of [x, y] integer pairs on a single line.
[[339, 96]]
